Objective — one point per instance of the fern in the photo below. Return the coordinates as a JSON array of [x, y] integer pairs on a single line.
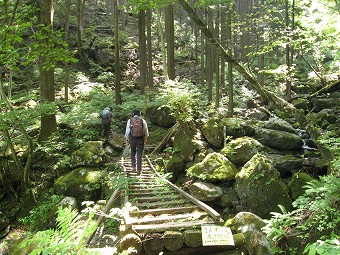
[[317, 213], [67, 238]]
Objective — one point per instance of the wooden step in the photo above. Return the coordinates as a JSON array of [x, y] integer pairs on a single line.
[[160, 204], [168, 218], [146, 187], [169, 210], [154, 228], [156, 198], [152, 192]]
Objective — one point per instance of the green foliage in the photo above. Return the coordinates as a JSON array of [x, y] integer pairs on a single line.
[[328, 247], [331, 140], [183, 100], [22, 45], [316, 217], [68, 238], [106, 77], [37, 216], [137, 5], [130, 102], [51, 45], [26, 116]]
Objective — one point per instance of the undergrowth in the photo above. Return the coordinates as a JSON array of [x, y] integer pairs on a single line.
[[314, 225]]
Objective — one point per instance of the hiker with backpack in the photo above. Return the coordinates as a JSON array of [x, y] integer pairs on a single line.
[[107, 116], [136, 134]]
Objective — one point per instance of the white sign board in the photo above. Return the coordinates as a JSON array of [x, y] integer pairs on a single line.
[[216, 235]]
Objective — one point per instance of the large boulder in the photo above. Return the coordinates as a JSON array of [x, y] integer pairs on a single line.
[[240, 150], [279, 124], [285, 164], [325, 103], [205, 191], [245, 218], [214, 167], [324, 117], [229, 198], [213, 132], [83, 183], [302, 102], [175, 165], [160, 115], [115, 144], [260, 187], [297, 183], [186, 144], [237, 127], [278, 139], [90, 154], [250, 225]]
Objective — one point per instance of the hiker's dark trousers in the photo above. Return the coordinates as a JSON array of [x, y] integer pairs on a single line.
[[106, 127], [137, 147]]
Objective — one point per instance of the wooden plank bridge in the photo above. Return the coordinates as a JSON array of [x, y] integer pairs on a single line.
[[163, 217]]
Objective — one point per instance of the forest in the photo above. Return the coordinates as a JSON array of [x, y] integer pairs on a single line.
[[241, 97]]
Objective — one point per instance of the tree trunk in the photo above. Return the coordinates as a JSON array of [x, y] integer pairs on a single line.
[[67, 37], [47, 93], [288, 51], [266, 95], [142, 51], [230, 66], [162, 44], [24, 171], [224, 38], [209, 60], [149, 47], [80, 17], [117, 58], [170, 38], [260, 43], [217, 63], [203, 57]]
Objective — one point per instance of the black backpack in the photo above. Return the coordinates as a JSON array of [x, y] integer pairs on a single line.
[[136, 127]]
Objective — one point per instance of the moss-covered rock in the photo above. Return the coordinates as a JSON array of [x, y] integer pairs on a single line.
[[302, 103], [160, 115], [277, 139], [279, 124], [325, 103], [260, 187], [237, 127], [175, 165], [240, 150], [90, 154], [296, 184], [250, 225], [186, 144], [205, 191], [82, 183], [228, 199], [285, 164], [212, 130], [243, 219], [214, 167]]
